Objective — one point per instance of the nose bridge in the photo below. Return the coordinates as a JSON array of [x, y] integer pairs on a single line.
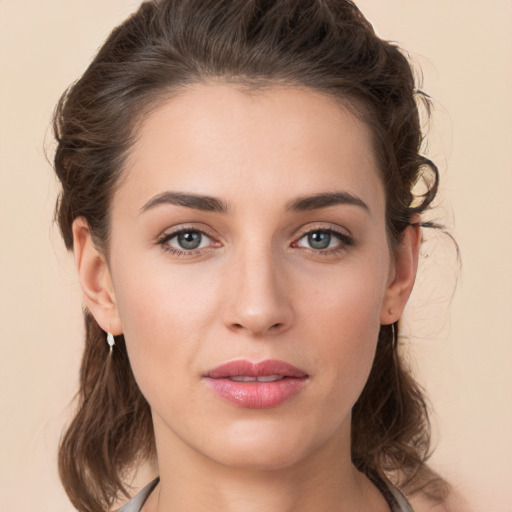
[[258, 303]]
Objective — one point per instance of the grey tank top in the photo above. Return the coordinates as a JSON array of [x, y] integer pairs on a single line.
[[396, 500]]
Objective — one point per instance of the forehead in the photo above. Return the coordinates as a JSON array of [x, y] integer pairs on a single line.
[[220, 139]]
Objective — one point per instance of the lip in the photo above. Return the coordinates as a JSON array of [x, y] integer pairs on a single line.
[[256, 394]]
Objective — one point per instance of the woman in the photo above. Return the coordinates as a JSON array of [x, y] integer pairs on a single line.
[[237, 188]]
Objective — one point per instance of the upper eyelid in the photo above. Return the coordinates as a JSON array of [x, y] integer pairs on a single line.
[[302, 231], [173, 234], [169, 233], [164, 239], [329, 226], [342, 237]]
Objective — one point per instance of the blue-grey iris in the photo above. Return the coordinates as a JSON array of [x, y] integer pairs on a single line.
[[319, 240], [189, 240]]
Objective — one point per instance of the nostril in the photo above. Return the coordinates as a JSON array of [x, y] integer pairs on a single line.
[[272, 328]]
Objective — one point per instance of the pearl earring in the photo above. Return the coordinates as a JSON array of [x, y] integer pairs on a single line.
[[110, 340]]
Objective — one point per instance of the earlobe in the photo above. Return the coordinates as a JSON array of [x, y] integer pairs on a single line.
[[95, 279], [405, 267]]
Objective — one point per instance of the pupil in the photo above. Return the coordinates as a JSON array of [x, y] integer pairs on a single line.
[[319, 240], [189, 240]]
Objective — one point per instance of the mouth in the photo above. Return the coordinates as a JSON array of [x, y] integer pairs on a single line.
[[256, 385], [262, 378]]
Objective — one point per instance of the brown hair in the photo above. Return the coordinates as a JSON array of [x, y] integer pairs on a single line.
[[326, 45]]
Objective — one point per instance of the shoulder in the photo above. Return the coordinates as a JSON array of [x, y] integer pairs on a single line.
[[426, 505], [454, 502]]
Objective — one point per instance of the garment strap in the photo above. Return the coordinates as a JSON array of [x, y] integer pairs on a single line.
[[136, 504], [394, 497]]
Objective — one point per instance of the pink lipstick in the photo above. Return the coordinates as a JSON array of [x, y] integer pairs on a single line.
[[256, 385]]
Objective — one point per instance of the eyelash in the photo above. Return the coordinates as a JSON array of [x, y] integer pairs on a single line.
[[344, 239], [163, 242]]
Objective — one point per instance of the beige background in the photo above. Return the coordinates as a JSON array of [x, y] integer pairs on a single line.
[[463, 357]]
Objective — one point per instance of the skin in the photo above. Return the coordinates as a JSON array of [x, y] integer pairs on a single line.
[[255, 289]]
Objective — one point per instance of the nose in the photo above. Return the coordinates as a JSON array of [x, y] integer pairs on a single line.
[[258, 303]]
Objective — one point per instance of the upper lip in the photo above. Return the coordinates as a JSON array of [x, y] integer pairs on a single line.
[[243, 367]]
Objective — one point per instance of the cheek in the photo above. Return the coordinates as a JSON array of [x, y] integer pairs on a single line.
[[344, 320], [164, 313], [347, 320]]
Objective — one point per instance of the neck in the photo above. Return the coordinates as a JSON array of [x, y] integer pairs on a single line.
[[325, 481]]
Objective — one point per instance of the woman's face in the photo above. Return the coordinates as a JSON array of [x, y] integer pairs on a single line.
[[251, 271]]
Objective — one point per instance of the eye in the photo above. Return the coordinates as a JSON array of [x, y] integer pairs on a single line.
[[185, 240], [324, 240], [319, 239], [189, 240]]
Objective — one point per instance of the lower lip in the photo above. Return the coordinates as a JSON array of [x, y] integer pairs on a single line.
[[256, 395]]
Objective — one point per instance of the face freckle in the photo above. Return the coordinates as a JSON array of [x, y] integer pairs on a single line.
[[278, 196]]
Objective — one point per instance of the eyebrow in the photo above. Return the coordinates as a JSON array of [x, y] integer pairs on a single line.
[[195, 201], [324, 200], [213, 204]]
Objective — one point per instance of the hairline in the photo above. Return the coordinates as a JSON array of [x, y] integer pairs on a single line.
[[159, 96]]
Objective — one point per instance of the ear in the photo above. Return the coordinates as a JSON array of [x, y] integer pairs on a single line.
[[402, 273], [95, 279]]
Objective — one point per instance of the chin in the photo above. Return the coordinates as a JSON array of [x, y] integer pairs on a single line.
[[258, 458], [265, 447]]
